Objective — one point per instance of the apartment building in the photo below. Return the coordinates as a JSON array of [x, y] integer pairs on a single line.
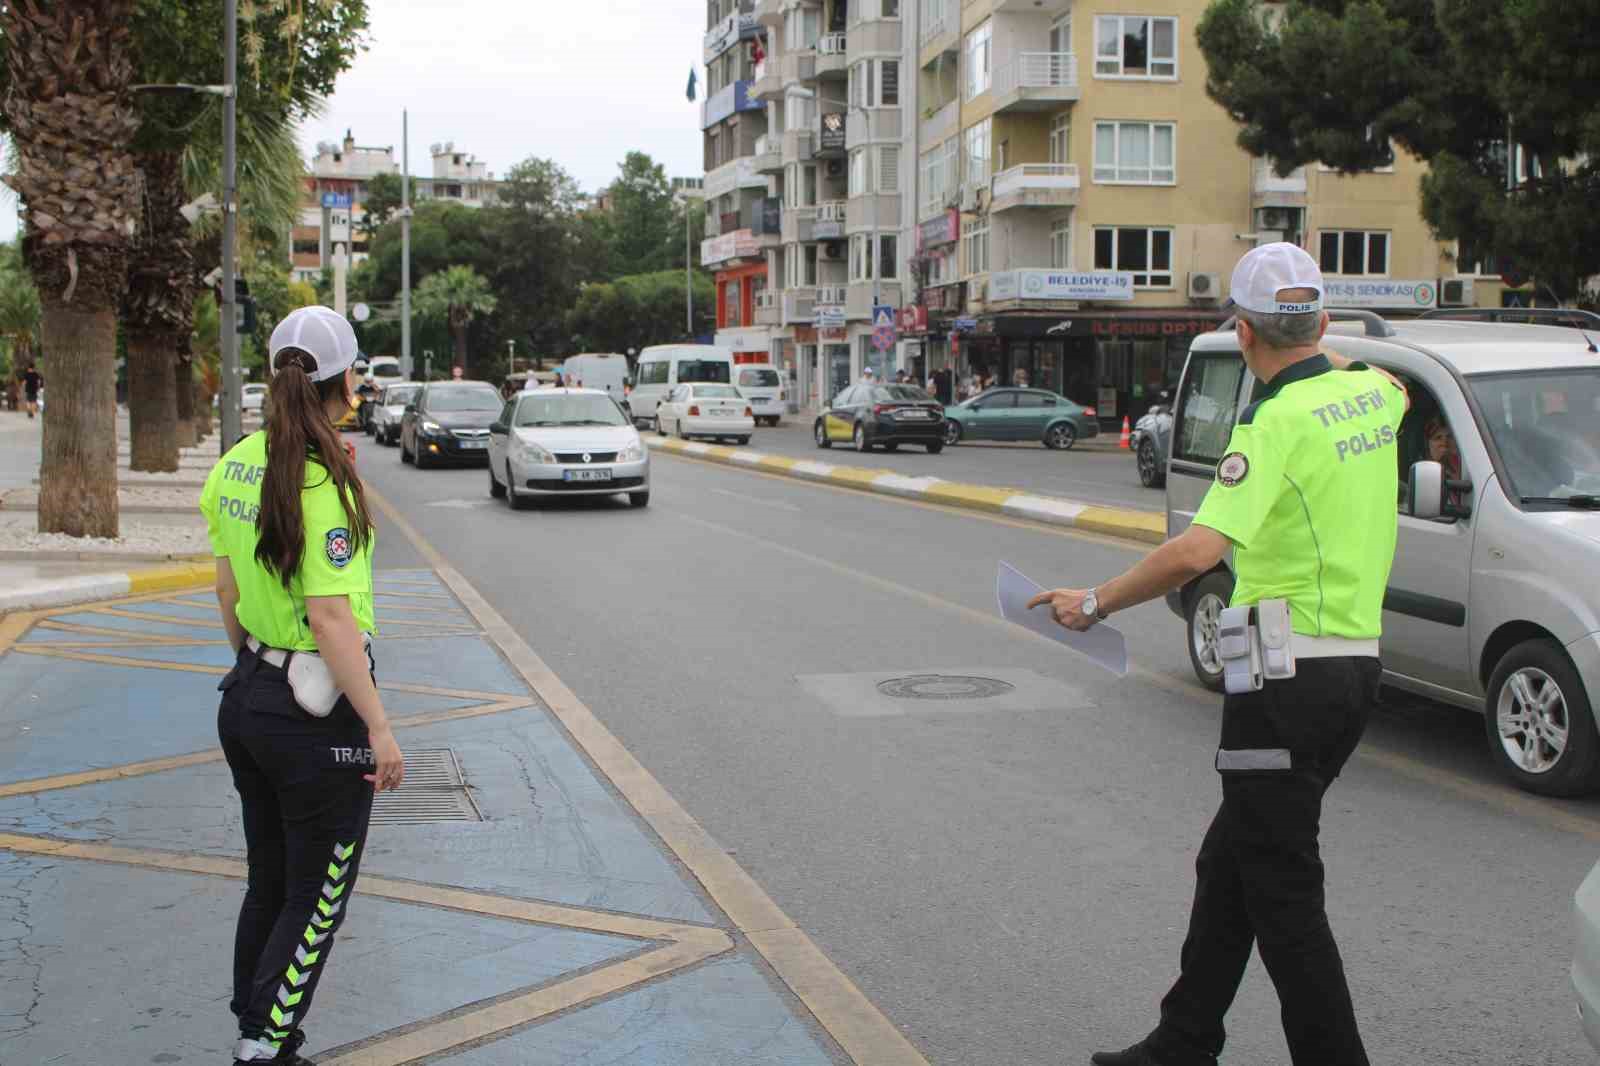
[[335, 189]]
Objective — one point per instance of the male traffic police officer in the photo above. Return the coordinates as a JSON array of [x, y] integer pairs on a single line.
[[1305, 497]]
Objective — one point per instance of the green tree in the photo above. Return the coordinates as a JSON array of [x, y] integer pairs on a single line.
[[456, 295], [643, 227], [19, 312], [382, 201], [638, 310], [1451, 82]]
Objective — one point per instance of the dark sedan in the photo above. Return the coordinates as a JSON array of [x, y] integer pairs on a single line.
[[448, 422], [868, 416], [1021, 414]]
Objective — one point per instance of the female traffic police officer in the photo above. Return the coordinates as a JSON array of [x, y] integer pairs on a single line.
[[302, 725], [1312, 520]]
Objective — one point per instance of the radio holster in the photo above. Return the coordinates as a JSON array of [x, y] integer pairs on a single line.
[[1256, 644]]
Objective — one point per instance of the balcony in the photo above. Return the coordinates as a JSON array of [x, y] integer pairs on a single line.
[[739, 26], [1269, 190], [1035, 185], [874, 37], [876, 211], [799, 67], [726, 102], [1036, 81], [768, 83], [799, 146], [799, 305], [799, 225], [769, 13], [872, 124], [941, 32], [858, 301], [740, 173], [832, 295], [769, 308], [941, 124], [833, 60], [727, 247], [830, 221], [768, 157]]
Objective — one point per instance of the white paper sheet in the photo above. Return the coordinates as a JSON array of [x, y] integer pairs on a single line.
[[1102, 644]]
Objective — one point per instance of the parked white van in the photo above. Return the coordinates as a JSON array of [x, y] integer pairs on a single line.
[[762, 385], [606, 371], [664, 367], [1492, 603]]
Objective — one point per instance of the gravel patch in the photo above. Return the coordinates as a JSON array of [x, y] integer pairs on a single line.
[[138, 540], [130, 498]]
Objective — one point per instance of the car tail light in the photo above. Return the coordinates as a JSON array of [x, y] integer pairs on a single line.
[[879, 408], [748, 413], [1089, 411], [694, 411]]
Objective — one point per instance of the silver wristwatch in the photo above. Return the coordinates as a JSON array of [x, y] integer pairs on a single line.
[[1091, 605]]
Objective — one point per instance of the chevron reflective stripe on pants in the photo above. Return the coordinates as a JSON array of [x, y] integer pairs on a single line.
[[298, 973]]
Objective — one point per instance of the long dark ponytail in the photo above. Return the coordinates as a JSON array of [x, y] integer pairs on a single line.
[[298, 429]]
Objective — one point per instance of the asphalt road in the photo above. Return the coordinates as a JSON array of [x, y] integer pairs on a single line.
[[1092, 472], [1009, 885]]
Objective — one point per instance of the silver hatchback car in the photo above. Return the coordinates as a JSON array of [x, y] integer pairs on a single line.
[[1493, 603]]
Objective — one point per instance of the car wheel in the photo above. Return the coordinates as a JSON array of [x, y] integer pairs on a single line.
[[742, 440], [1060, 436], [496, 490], [517, 500], [639, 499], [820, 433], [952, 431], [891, 447], [405, 453], [1151, 476], [1540, 723], [419, 457], [859, 438], [677, 427], [934, 448], [1204, 616]]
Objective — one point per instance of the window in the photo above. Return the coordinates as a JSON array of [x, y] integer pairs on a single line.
[[1060, 137], [889, 169], [1207, 407], [1144, 252], [1354, 252], [1061, 35], [1475, 258], [978, 153], [1135, 153], [1061, 245], [809, 265], [888, 256], [808, 185], [942, 270], [891, 9], [975, 248], [940, 175], [802, 26], [978, 59], [858, 172], [875, 83], [861, 257], [1135, 46]]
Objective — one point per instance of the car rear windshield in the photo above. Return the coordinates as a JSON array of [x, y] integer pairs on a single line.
[[473, 397], [386, 370], [900, 394], [569, 409], [758, 379], [716, 392], [401, 393], [703, 370], [1546, 426]]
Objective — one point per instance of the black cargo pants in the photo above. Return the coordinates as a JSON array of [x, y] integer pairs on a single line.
[[306, 809], [1259, 872]]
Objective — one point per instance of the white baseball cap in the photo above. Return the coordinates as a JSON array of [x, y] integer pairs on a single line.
[[324, 333], [1266, 271]]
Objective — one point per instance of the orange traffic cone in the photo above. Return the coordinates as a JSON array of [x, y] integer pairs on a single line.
[[1127, 435]]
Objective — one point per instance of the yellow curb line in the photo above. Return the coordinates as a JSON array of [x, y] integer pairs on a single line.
[[171, 578], [1123, 523]]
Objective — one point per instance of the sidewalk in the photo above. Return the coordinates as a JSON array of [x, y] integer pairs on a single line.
[[514, 909]]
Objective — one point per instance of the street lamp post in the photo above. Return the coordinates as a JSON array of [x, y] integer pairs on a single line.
[[232, 415]]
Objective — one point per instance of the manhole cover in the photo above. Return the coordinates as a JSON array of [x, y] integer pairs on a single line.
[[943, 687], [433, 791]]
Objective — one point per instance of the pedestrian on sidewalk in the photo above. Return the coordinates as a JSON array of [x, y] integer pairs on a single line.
[[32, 384], [1318, 530], [302, 725]]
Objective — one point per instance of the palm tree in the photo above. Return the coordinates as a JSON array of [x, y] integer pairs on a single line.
[[19, 308], [455, 296], [68, 111]]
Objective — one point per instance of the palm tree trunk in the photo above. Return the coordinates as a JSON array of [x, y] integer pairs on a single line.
[[459, 331], [78, 474], [157, 312], [152, 401], [183, 381]]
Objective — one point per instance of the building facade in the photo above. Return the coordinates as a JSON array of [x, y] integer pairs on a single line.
[[333, 204]]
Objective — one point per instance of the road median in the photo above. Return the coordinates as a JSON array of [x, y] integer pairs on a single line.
[[69, 589], [1142, 526]]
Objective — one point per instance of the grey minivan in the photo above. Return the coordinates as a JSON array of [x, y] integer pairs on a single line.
[[1493, 603]]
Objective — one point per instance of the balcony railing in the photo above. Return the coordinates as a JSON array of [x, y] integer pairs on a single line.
[[799, 305], [1268, 182], [768, 153], [832, 295], [831, 216], [1035, 185], [1046, 76], [769, 307], [940, 23], [799, 224], [832, 44]]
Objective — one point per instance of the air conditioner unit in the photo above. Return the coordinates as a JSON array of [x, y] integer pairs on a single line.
[[978, 290], [1204, 286], [1455, 292], [831, 250], [969, 197], [835, 168]]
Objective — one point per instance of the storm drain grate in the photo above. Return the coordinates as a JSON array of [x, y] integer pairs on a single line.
[[433, 791], [944, 687]]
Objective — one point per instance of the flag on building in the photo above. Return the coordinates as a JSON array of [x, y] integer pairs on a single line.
[[692, 78]]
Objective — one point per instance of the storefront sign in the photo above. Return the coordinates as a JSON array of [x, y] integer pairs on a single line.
[[946, 229], [913, 319], [1060, 285], [966, 325], [746, 340], [829, 317], [1143, 327], [1411, 295], [831, 135], [739, 244], [832, 333], [805, 334]]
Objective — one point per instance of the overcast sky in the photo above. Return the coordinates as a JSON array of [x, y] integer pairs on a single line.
[[581, 83]]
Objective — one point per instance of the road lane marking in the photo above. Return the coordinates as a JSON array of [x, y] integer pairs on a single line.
[[742, 498], [858, 1026]]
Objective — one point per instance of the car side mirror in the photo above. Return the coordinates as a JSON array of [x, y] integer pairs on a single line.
[[497, 427], [1425, 490]]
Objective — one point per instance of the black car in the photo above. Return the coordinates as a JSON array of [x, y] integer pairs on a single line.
[[448, 422], [867, 416]]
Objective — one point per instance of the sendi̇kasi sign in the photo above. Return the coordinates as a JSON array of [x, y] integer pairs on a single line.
[[1060, 285], [1379, 292]]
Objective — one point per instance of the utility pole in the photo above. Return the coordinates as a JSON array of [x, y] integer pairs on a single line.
[[688, 276], [406, 368], [232, 416]]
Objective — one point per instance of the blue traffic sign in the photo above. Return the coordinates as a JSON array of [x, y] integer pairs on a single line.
[[882, 315], [335, 199]]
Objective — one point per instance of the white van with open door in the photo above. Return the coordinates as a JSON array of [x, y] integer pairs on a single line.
[[607, 372], [664, 367]]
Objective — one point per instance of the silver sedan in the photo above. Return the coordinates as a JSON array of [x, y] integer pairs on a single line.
[[566, 442]]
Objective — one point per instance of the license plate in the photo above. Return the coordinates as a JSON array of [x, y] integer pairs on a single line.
[[468, 445], [586, 475], [763, 399]]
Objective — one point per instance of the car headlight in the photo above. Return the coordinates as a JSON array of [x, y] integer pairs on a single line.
[[535, 453], [431, 427], [631, 454]]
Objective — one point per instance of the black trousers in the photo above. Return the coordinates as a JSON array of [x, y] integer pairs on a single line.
[[306, 809], [1259, 873]]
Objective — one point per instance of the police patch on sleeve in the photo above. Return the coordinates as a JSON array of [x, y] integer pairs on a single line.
[[1233, 469], [339, 548]]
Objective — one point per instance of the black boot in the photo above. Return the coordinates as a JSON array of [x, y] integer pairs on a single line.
[[1139, 1054], [288, 1053]]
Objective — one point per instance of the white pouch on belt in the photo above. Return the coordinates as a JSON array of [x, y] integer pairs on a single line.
[[312, 683], [1241, 654]]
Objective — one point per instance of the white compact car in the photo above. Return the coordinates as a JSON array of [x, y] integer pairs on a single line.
[[706, 411], [566, 442], [391, 405], [253, 396]]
